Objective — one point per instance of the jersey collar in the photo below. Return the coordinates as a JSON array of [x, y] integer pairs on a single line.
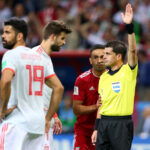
[[43, 51], [94, 74], [111, 72]]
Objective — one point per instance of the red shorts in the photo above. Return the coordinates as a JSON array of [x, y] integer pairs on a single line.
[[83, 142]]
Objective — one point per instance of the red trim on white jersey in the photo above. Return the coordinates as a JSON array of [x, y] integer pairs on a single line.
[[2, 136], [9, 69], [50, 76], [43, 49]]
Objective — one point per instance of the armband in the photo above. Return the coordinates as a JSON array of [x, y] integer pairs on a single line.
[[130, 28], [55, 115], [96, 124]]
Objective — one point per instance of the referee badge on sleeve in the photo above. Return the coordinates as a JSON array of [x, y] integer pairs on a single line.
[[116, 86], [76, 90]]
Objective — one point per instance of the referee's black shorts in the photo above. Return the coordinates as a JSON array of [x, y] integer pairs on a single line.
[[115, 133]]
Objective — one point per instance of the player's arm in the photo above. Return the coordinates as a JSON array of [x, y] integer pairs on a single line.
[[98, 117], [5, 90], [57, 92], [80, 109], [127, 18]]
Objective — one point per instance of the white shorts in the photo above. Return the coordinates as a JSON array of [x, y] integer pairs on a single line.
[[48, 140], [14, 138]]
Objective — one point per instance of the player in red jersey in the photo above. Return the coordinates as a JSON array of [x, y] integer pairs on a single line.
[[85, 100]]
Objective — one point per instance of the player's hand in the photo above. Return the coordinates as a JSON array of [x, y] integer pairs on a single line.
[[57, 126], [2, 116], [99, 102], [128, 15], [5, 113], [94, 137], [47, 126], [8, 111]]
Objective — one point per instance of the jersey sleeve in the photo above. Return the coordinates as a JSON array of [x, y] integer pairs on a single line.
[[9, 62], [79, 89], [49, 71], [131, 73]]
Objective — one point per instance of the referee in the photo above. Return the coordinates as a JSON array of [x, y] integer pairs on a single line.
[[114, 131]]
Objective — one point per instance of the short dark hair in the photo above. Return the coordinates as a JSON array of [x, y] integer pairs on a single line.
[[18, 25], [97, 46], [55, 27], [118, 47]]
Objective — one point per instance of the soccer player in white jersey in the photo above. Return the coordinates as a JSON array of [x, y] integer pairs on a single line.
[[54, 36], [23, 75]]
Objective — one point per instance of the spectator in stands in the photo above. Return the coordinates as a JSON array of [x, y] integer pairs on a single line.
[[19, 12], [72, 39], [49, 12], [146, 125], [5, 12], [143, 12], [66, 114], [29, 5], [35, 30], [143, 128], [143, 76], [92, 33], [34, 35]]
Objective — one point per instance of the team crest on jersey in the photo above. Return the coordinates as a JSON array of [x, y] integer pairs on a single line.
[[116, 86], [76, 90]]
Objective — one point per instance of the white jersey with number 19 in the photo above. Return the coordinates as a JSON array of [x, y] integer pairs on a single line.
[[30, 71], [47, 92]]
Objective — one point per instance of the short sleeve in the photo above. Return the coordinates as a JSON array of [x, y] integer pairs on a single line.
[[79, 89], [49, 71], [9, 62], [131, 73]]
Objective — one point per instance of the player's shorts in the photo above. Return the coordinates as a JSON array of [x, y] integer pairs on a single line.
[[14, 138], [48, 140], [83, 142]]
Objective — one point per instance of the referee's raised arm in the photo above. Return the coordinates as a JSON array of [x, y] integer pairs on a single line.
[[127, 18]]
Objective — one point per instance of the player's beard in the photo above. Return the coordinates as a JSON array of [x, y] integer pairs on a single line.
[[99, 69], [55, 48], [9, 45]]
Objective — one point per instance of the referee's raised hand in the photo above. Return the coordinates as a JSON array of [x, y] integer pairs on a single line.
[[128, 15]]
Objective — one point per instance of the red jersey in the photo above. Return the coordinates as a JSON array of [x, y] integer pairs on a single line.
[[86, 90]]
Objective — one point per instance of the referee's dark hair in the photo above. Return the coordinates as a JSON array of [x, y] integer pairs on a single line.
[[97, 46], [118, 48], [18, 25]]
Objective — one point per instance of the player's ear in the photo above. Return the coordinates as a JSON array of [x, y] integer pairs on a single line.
[[90, 60], [53, 37], [19, 36], [119, 56]]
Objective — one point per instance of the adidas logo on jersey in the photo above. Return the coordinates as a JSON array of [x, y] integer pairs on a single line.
[[91, 88]]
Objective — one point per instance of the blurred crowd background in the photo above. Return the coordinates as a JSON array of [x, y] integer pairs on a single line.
[[92, 22]]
